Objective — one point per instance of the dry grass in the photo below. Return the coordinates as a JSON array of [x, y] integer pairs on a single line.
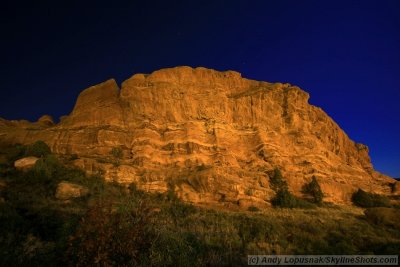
[[178, 234]]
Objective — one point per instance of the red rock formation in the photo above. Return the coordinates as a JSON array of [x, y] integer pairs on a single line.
[[214, 136]]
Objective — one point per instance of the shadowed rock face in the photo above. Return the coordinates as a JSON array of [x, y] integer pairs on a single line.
[[212, 136]]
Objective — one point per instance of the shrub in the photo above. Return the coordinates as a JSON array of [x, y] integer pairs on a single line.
[[251, 229], [13, 229], [253, 209], [4, 169], [368, 200], [116, 152], [313, 189], [35, 186], [249, 191], [15, 152], [73, 157], [45, 170], [38, 149], [179, 209], [170, 194], [383, 216], [176, 248], [285, 199], [112, 238], [43, 178], [277, 182]]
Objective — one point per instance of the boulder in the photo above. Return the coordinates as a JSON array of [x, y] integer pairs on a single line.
[[46, 120], [66, 190], [25, 163]]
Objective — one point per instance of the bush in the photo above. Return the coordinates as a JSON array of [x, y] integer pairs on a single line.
[[36, 186], [46, 168], [106, 237], [116, 152], [285, 199], [313, 189], [179, 209], [368, 200], [277, 182], [38, 149], [73, 157], [383, 216], [253, 209], [15, 152], [170, 194]]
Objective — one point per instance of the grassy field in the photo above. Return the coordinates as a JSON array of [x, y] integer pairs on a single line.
[[119, 226]]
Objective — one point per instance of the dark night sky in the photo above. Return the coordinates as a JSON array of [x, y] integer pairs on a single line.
[[346, 54]]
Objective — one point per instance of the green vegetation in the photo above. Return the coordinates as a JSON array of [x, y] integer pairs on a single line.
[[116, 152], [313, 189], [369, 200], [33, 224], [38, 149], [15, 152], [74, 157], [123, 226], [253, 209], [383, 216], [277, 182], [111, 238], [283, 197]]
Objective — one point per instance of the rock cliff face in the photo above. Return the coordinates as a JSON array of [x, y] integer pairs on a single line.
[[211, 136]]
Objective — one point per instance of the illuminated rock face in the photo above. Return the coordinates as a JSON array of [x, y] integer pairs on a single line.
[[25, 163], [211, 136]]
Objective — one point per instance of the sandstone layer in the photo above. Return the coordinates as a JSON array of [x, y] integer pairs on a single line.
[[212, 137]]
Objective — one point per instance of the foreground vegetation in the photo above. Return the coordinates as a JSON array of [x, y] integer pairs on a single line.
[[119, 226]]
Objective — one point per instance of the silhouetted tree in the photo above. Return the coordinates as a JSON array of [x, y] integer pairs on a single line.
[[277, 182]]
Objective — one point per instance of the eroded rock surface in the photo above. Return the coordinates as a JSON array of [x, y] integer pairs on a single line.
[[46, 120], [211, 136], [66, 190]]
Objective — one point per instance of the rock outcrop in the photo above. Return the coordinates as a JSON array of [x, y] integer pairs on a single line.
[[66, 190], [46, 120], [396, 187], [210, 136]]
